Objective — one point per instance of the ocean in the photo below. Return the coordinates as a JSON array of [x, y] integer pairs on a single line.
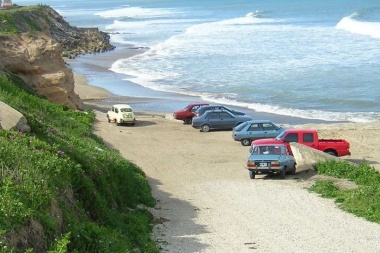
[[316, 60]]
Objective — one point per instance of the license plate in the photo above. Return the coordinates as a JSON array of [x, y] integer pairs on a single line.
[[264, 165]]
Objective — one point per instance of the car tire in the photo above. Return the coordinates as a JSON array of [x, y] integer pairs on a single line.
[[331, 153], [188, 121], [245, 142], [109, 120], [117, 122], [283, 173], [293, 171], [205, 128], [252, 174]]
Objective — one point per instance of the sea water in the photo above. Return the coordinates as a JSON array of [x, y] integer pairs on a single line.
[[310, 59]]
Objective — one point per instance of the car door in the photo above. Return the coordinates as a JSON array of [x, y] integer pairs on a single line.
[[254, 131], [269, 130], [227, 121], [213, 119]]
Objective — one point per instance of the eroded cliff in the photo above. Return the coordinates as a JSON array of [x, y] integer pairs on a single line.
[[32, 40]]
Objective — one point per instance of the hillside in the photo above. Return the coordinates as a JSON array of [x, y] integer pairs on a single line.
[[61, 188]]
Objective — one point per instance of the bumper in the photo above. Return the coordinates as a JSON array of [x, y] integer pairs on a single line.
[[266, 170], [127, 120]]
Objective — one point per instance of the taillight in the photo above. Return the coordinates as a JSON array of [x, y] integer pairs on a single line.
[[275, 164], [250, 164]]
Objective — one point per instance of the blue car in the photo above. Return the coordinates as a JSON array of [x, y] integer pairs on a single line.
[[270, 159], [218, 119], [255, 129]]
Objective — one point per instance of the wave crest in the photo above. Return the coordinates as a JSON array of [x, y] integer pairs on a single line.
[[353, 25]]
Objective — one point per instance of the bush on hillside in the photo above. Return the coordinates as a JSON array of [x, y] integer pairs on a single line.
[[63, 188]]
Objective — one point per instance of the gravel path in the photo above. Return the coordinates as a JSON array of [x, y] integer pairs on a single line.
[[207, 203]]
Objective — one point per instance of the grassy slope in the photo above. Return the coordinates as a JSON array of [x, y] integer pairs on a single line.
[[83, 196]]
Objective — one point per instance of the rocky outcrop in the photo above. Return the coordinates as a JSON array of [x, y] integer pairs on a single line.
[[73, 40], [37, 60], [11, 119], [35, 54]]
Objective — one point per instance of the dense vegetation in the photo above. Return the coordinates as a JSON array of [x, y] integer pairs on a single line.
[[62, 189], [363, 201]]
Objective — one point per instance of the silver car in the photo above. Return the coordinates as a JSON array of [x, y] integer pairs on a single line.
[[218, 119]]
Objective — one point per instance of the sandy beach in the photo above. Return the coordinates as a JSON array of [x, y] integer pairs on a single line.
[[206, 201]]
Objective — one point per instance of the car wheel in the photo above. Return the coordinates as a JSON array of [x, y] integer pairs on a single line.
[[331, 153], [205, 128], [245, 142], [293, 171], [282, 173], [109, 120], [117, 122], [252, 174], [188, 121]]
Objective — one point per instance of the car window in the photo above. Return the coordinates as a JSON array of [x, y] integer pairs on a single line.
[[241, 126], [269, 126], [308, 137], [254, 127], [213, 115], [125, 109], [116, 110], [195, 107], [225, 115], [291, 137]]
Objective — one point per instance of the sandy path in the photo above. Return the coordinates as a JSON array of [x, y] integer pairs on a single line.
[[207, 203]]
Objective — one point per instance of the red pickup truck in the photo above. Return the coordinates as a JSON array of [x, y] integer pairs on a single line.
[[187, 113], [309, 137]]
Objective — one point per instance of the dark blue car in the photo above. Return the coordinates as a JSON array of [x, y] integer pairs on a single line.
[[218, 119]]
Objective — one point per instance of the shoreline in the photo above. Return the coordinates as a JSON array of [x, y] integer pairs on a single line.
[[92, 72]]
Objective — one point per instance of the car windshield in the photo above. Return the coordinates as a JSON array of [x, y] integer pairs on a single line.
[[125, 109], [240, 126], [278, 137], [267, 150]]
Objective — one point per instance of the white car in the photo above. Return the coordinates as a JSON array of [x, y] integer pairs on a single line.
[[121, 114]]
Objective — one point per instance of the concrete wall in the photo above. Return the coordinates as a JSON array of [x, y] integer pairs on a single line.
[[306, 157]]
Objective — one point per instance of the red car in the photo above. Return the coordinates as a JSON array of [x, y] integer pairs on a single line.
[[187, 113], [308, 137]]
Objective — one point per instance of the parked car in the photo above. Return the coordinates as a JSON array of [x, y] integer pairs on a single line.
[[203, 109], [121, 114], [187, 113], [218, 119], [270, 159], [308, 137], [254, 130]]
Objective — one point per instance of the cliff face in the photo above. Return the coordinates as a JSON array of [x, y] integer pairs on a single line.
[[37, 60], [35, 52]]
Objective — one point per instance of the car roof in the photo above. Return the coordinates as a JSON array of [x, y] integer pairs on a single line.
[[214, 106], [122, 106], [217, 110], [298, 130], [199, 103], [259, 121], [270, 144]]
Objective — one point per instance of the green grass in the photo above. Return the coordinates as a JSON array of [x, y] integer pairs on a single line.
[[364, 201], [61, 167], [12, 19]]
